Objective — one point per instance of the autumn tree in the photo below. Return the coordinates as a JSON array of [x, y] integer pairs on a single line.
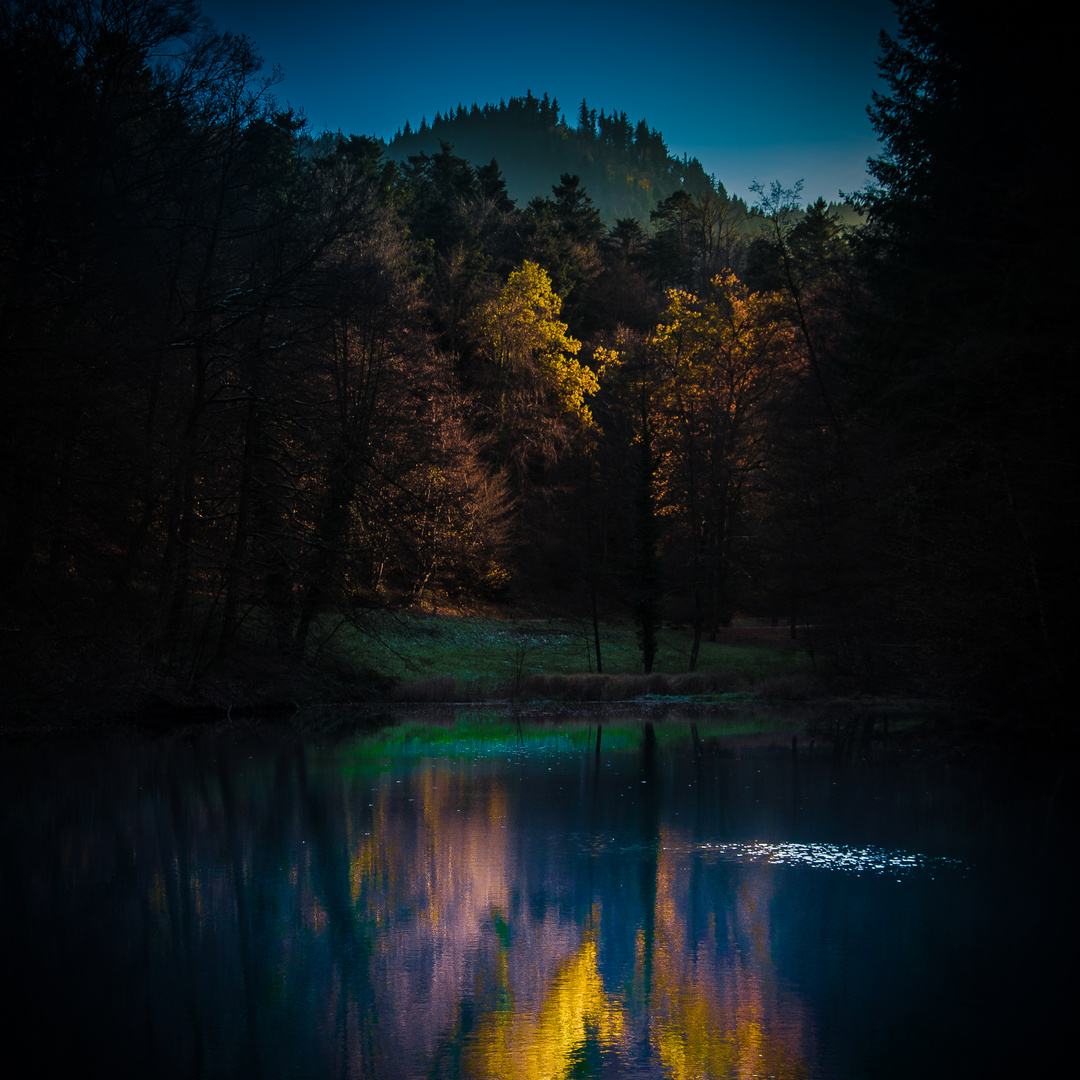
[[536, 385], [725, 355]]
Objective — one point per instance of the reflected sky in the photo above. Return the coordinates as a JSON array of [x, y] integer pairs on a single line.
[[487, 899]]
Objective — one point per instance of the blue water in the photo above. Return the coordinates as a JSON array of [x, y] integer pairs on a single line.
[[479, 898]]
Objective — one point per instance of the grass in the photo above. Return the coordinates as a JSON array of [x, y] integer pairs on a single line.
[[450, 658], [74, 667]]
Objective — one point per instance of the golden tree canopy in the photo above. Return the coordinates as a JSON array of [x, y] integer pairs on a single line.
[[521, 332]]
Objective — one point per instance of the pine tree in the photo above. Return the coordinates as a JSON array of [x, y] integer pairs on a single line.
[[971, 354]]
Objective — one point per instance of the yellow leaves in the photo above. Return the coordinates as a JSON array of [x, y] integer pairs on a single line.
[[522, 321], [721, 357], [542, 1039], [522, 335], [572, 382], [606, 360], [727, 345]]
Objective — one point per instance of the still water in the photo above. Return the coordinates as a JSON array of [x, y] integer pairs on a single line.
[[486, 897]]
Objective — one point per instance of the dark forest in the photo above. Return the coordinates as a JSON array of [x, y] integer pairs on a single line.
[[256, 377]]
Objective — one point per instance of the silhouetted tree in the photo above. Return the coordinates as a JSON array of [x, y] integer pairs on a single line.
[[968, 356]]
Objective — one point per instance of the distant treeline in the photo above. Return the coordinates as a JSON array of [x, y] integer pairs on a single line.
[[258, 381], [625, 167]]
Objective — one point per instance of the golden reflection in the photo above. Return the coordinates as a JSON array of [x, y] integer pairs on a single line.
[[715, 1007], [437, 873], [541, 1042]]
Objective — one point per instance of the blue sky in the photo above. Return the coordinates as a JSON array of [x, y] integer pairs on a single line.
[[770, 92]]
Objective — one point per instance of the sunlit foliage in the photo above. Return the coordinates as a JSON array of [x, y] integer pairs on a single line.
[[523, 337], [723, 359]]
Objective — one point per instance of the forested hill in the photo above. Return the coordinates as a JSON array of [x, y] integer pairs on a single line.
[[625, 168]]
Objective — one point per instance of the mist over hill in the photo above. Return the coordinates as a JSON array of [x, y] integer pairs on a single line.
[[625, 167]]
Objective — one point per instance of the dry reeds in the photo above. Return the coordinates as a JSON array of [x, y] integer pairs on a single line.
[[593, 687], [590, 687], [796, 686], [437, 688]]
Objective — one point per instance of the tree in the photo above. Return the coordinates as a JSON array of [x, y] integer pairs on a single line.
[[967, 354], [538, 385], [623, 295], [438, 186], [724, 357], [564, 238], [222, 395], [809, 249], [628, 460], [112, 226], [779, 210], [697, 236]]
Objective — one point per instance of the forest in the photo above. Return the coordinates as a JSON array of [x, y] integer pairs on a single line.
[[625, 167], [260, 380]]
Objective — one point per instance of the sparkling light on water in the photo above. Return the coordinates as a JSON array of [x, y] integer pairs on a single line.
[[855, 860]]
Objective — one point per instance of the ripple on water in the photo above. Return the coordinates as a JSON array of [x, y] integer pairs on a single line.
[[843, 858], [836, 857]]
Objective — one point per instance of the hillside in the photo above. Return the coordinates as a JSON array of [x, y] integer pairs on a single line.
[[625, 168]]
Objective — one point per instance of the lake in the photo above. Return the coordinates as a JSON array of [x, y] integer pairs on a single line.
[[493, 895]]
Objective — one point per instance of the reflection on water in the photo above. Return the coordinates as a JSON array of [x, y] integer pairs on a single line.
[[824, 857], [482, 900]]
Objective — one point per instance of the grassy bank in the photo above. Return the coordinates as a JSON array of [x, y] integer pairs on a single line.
[[91, 663], [470, 659]]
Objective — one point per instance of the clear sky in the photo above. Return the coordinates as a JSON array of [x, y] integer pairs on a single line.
[[771, 91]]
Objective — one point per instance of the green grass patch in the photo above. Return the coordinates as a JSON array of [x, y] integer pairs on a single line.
[[451, 658]]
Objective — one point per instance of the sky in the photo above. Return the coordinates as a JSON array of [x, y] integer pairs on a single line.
[[772, 91]]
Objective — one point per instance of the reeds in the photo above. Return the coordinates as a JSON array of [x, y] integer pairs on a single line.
[[435, 688], [593, 687]]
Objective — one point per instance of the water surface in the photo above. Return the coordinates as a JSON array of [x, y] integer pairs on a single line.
[[485, 897]]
